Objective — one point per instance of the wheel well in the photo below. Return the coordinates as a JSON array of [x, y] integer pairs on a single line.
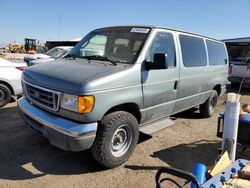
[[8, 85], [127, 107], [217, 88]]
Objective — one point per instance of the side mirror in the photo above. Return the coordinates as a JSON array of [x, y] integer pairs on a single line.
[[159, 62]]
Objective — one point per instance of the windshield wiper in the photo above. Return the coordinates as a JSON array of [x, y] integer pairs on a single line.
[[99, 57]]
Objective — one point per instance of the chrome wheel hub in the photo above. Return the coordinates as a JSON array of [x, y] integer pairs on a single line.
[[121, 140]]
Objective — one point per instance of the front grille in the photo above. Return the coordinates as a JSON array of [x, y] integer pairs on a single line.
[[41, 96]]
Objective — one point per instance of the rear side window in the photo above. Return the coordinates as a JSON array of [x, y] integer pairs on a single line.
[[216, 53], [193, 51]]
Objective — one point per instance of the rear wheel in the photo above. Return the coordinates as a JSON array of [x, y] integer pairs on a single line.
[[207, 108], [116, 138], [5, 95]]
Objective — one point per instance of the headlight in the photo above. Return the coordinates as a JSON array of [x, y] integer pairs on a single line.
[[81, 104]]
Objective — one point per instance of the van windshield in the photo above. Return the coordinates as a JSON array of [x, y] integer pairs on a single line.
[[117, 44]]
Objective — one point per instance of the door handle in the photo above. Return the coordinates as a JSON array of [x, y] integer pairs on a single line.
[[175, 85]]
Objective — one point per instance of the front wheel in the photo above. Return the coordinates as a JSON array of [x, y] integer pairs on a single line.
[[116, 138], [207, 108], [5, 95]]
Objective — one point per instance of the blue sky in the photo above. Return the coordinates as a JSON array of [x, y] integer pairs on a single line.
[[63, 20]]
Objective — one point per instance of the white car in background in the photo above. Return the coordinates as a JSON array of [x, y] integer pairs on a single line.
[[61, 53], [10, 80], [52, 52]]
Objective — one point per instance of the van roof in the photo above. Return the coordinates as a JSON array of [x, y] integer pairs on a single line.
[[159, 27]]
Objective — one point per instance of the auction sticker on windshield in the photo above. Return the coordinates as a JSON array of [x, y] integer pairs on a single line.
[[139, 30]]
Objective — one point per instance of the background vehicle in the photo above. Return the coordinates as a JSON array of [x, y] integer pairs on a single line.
[[239, 61], [10, 80], [30, 47], [239, 68], [16, 48], [61, 54], [117, 80], [51, 53]]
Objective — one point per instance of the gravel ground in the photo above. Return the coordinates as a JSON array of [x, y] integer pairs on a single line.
[[27, 160]]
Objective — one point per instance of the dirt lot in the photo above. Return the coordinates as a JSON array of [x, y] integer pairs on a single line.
[[27, 160]]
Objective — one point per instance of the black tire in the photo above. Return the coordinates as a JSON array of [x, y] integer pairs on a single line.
[[116, 138], [235, 85], [207, 108], [5, 95]]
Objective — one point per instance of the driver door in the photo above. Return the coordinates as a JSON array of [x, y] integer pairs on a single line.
[[160, 86]]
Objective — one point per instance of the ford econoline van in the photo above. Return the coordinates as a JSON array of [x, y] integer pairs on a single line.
[[117, 80]]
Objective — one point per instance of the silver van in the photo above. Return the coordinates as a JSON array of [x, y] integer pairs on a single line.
[[117, 80]]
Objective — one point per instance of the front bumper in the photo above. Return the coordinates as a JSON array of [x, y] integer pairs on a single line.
[[62, 133]]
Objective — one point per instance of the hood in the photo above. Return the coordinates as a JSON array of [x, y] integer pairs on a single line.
[[37, 61], [66, 75], [6, 63]]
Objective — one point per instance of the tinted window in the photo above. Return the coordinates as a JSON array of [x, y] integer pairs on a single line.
[[216, 53], [163, 43], [193, 51]]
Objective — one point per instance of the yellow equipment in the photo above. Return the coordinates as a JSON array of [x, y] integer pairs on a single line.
[[16, 48], [31, 46]]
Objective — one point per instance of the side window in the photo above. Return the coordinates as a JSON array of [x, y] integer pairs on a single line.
[[216, 53], [193, 51], [163, 43]]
